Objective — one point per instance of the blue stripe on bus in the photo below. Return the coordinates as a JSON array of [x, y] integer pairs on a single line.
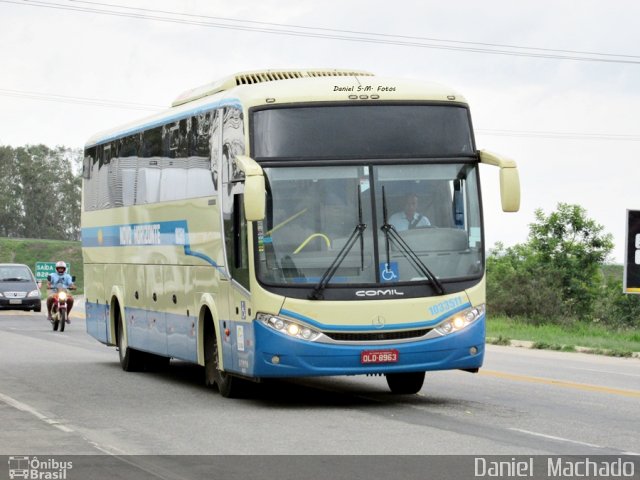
[[229, 102], [369, 328], [171, 233]]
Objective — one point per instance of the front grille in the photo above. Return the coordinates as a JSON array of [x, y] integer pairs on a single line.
[[15, 294], [376, 336]]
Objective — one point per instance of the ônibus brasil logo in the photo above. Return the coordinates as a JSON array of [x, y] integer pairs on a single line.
[[38, 469]]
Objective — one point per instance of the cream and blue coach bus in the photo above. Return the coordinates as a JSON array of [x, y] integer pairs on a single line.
[[250, 229]]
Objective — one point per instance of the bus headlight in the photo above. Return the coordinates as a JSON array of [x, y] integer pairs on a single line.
[[288, 327], [460, 320]]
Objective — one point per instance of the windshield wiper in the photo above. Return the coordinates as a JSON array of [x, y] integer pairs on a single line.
[[316, 293], [392, 235]]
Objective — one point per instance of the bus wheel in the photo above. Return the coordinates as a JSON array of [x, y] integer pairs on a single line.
[[130, 360], [405, 383], [228, 386]]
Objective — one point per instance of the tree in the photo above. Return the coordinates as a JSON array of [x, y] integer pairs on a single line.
[[40, 192], [554, 276], [575, 247], [10, 194], [519, 286]]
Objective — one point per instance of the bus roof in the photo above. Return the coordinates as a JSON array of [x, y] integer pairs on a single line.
[[270, 87]]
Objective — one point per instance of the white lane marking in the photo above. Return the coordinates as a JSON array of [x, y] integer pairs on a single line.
[[24, 407], [12, 402], [561, 439]]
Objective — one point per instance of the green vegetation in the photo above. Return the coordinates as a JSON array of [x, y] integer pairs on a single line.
[[598, 338], [557, 291], [559, 275], [40, 192], [29, 251]]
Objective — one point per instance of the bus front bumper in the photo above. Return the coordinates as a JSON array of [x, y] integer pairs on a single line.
[[277, 355]]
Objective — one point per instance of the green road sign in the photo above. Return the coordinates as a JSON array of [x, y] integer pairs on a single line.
[[47, 268]]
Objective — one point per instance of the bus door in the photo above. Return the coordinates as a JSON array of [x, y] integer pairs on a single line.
[[237, 344]]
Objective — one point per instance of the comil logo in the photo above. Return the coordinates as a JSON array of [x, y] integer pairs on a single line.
[[38, 469], [379, 293]]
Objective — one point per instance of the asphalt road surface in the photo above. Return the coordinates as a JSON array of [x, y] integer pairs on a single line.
[[65, 393]]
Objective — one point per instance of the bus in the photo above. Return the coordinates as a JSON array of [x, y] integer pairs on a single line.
[[252, 229]]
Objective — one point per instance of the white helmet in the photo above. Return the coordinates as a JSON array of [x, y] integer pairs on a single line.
[[61, 264]]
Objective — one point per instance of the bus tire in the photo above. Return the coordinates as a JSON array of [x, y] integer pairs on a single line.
[[405, 383], [131, 360], [228, 385]]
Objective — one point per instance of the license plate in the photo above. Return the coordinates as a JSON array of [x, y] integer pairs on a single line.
[[15, 301], [379, 356]]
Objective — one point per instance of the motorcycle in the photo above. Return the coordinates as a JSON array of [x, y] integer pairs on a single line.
[[59, 309]]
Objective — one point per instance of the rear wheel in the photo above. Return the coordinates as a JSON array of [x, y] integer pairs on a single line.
[[63, 319], [405, 383], [55, 325]]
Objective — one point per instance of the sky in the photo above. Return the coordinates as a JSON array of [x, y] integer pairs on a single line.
[[554, 85]]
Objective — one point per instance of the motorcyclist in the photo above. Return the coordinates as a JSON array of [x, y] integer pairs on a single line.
[[59, 277]]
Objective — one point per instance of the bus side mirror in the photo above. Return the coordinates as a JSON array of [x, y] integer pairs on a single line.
[[254, 189], [509, 179], [254, 198]]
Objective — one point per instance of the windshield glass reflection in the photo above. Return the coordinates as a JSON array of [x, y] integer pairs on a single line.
[[312, 212]]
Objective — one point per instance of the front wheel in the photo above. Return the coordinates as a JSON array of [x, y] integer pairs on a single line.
[[63, 319], [405, 383], [228, 385]]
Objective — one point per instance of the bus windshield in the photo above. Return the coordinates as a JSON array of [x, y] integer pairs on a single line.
[[313, 211]]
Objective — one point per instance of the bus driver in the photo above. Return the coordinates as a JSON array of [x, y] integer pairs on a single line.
[[409, 218]]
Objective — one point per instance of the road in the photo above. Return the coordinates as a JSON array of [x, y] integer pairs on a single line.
[[64, 393]]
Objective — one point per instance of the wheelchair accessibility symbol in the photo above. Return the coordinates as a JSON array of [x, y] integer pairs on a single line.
[[389, 272]]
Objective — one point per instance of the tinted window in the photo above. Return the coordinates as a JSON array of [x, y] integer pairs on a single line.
[[368, 131]]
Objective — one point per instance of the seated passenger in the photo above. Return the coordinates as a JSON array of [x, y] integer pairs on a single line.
[[409, 218]]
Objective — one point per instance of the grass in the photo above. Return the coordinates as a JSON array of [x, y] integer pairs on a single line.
[[598, 338], [29, 251]]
